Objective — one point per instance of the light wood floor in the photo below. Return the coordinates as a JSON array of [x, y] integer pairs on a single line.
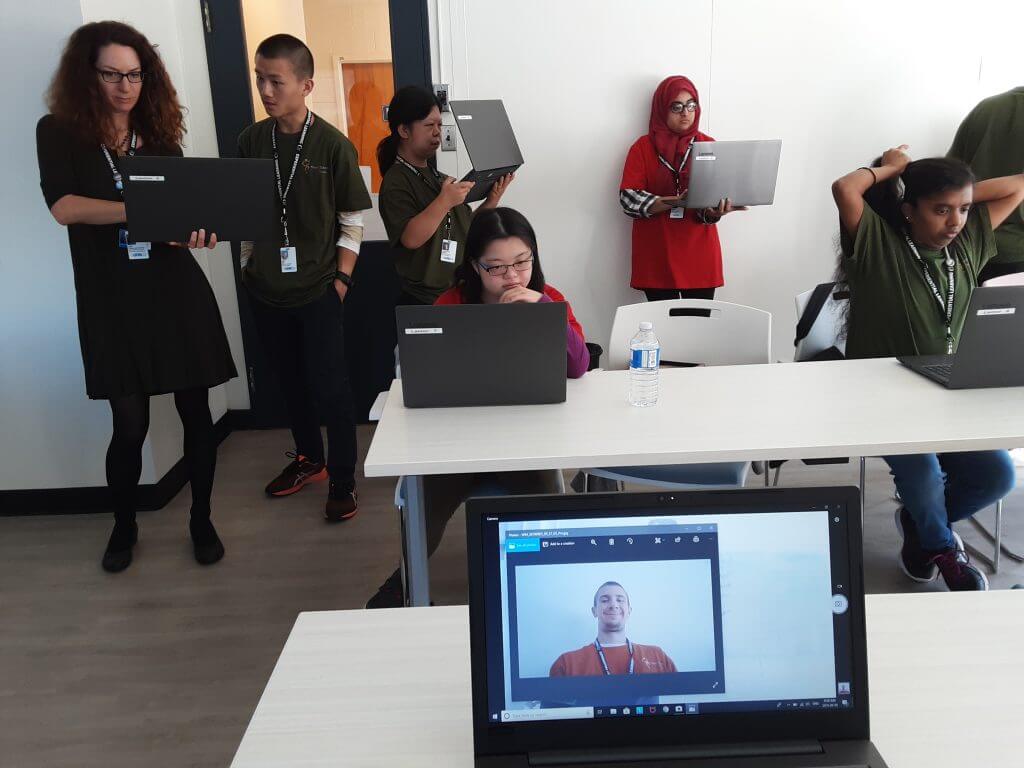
[[162, 665]]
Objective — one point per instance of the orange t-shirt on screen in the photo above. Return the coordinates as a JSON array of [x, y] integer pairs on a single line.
[[647, 660]]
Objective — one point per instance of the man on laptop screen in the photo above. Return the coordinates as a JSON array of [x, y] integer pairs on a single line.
[[612, 653]]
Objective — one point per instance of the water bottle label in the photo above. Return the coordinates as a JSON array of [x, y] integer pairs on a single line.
[[645, 358]]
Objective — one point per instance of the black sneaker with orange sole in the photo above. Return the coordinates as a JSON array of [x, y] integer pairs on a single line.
[[341, 505], [297, 475]]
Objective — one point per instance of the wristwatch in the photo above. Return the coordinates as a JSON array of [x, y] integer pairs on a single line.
[[345, 277]]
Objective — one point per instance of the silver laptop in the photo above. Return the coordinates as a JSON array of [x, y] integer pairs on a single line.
[[988, 354], [490, 142], [482, 354], [745, 172], [708, 628]]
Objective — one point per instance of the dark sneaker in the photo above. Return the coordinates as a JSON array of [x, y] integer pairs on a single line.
[[341, 505], [118, 554], [299, 473], [958, 572], [915, 562], [206, 544], [390, 594]]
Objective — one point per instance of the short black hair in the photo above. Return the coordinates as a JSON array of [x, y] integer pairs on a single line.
[[288, 47]]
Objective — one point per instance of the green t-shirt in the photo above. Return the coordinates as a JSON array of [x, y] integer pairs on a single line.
[[327, 181], [892, 309], [405, 193], [991, 141]]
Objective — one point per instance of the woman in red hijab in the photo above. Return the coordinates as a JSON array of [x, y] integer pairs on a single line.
[[676, 253]]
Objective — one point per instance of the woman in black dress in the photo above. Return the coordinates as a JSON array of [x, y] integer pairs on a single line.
[[147, 318]]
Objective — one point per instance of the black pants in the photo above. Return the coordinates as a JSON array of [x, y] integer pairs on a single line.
[[124, 456], [306, 347], [665, 294], [991, 270]]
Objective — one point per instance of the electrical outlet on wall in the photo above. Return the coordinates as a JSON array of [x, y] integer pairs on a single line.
[[448, 138]]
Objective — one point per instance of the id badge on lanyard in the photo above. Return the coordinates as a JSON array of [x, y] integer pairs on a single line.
[[136, 251]]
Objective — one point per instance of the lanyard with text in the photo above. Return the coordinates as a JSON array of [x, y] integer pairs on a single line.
[[136, 251], [945, 307], [604, 662], [677, 171], [283, 192], [448, 246]]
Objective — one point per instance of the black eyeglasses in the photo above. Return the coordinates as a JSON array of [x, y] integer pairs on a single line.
[[678, 107], [113, 76], [501, 269]]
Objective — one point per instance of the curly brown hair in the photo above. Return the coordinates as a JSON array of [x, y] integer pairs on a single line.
[[75, 99]]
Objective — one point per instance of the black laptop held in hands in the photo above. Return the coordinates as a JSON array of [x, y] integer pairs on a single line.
[[990, 350], [166, 198], [482, 354], [490, 142], [669, 630]]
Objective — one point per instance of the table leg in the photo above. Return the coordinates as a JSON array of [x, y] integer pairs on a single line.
[[415, 545]]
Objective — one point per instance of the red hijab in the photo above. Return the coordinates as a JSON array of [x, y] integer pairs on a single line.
[[672, 146]]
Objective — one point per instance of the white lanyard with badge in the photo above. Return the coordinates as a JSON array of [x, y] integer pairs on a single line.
[[678, 213], [604, 661], [449, 247], [946, 308], [136, 251], [289, 257]]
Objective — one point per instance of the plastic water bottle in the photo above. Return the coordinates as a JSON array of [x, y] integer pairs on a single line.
[[645, 355]]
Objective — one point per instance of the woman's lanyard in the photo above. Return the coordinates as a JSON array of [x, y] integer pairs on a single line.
[[945, 307], [677, 171], [283, 193], [604, 661], [440, 180], [118, 180]]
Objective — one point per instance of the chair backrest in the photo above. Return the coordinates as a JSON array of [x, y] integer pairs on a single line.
[[695, 331], [827, 329], [1015, 278]]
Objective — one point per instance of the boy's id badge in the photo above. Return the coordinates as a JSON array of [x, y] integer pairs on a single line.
[[677, 213], [137, 251], [448, 251], [122, 238], [289, 261]]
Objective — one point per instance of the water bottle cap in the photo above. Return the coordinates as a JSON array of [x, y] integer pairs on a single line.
[[645, 326]]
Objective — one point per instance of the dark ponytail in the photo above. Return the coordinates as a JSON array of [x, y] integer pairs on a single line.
[[410, 103]]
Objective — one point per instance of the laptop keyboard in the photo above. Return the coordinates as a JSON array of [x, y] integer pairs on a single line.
[[940, 370]]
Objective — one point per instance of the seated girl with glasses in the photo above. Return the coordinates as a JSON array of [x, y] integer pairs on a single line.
[[501, 266]]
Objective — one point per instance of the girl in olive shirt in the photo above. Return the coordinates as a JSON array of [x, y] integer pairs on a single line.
[[424, 211], [900, 256]]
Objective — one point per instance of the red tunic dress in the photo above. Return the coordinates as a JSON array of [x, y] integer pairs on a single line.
[[668, 253]]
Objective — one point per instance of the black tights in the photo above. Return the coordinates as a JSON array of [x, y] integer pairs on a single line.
[[124, 456]]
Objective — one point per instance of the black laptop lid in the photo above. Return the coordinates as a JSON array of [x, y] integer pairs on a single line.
[[988, 353], [166, 198], [487, 132], [743, 618], [482, 354]]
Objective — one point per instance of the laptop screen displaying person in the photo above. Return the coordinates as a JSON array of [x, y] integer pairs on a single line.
[[658, 607]]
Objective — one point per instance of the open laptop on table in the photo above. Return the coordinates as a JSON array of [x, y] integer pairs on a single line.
[[490, 142], [745, 172], [166, 198], [989, 352], [710, 628], [482, 354]]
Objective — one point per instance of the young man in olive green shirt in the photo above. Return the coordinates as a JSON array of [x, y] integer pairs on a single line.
[[298, 283], [991, 141]]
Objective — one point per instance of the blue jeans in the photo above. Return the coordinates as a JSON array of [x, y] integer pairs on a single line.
[[939, 489]]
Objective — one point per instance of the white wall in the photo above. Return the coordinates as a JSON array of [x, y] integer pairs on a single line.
[[51, 435], [838, 82]]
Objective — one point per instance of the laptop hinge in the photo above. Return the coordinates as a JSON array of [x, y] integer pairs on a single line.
[[691, 752]]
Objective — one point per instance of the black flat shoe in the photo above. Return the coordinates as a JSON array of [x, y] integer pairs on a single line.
[[206, 544], [118, 554]]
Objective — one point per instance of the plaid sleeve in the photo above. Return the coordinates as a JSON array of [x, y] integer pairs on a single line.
[[636, 203]]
